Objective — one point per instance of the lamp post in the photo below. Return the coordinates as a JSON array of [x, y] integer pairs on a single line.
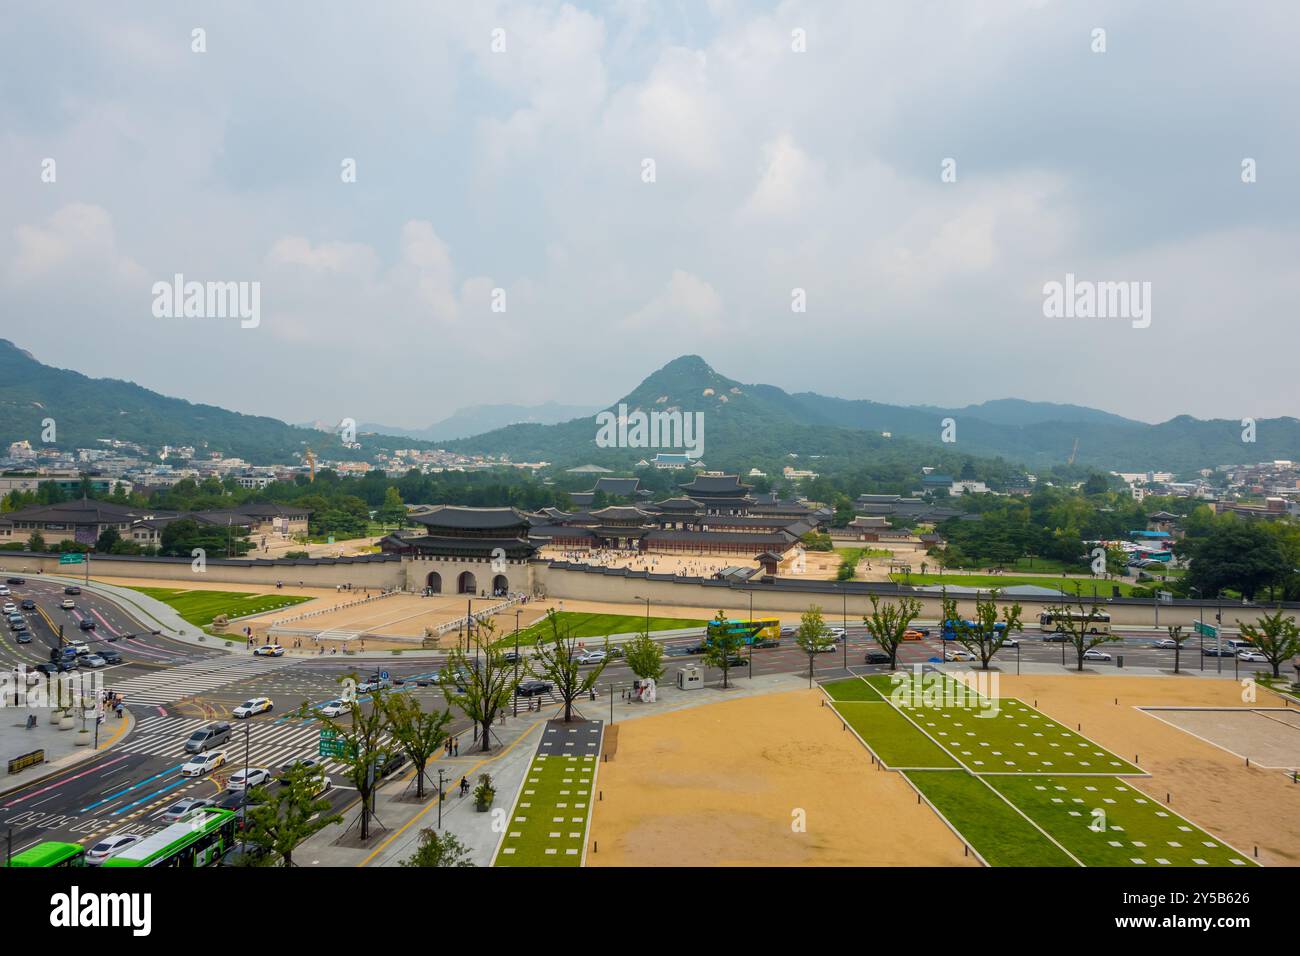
[[441, 792], [844, 620], [752, 637], [637, 597], [515, 695]]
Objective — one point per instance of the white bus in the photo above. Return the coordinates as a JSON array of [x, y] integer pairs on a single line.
[[1055, 620]]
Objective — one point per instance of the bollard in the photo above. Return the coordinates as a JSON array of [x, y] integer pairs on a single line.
[[1247, 761], [602, 795], [1080, 728], [918, 798], [1166, 797], [1116, 701], [1257, 853], [595, 846], [967, 851]]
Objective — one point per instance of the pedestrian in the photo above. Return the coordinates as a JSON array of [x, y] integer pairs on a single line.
[[455, 747], [464, 786]]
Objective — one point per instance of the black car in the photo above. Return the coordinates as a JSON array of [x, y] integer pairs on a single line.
[[15, 580], [877, 657], [737, 660], [86, 624], [767, 642], [530, 688], [678, 650], [511, 657], [56, 667], [72, 589], [28, 604], [1056, 638], [245, 854], [110, 656], [23, 637], [230, 800], [388, 764]]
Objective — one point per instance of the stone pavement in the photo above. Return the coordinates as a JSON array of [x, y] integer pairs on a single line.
[[61, 747]]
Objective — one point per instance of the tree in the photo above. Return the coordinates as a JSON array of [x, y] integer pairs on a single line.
[[887, 623], [108, 539], [1274, 636], [722, 646], [36, 542], [1177, 636], [813, 636], [645, 657], [439, 849], [1079, 624], [1243, 556], [419, 733], [281, 819], [361, 741], [392, 511], [481, 686], [988, 631], [557, 660]]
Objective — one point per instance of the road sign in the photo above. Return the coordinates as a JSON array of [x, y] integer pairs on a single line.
[[1208, 630], [332, 744], [383, 675], [1166, 597], [75, 557]]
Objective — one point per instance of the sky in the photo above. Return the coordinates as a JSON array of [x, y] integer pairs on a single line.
[[551, 200]]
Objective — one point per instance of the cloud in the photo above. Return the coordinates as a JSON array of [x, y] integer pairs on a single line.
[[686, 304], [78, 237]]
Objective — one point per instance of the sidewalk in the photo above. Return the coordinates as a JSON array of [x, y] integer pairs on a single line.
[[60, 746]]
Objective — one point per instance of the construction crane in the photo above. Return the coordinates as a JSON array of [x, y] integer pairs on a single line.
[[311, 461], [1074, 452]]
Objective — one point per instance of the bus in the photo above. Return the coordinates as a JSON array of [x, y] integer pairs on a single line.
[[1054, 621], [51, 853], [950, 629], [765, 632], [198, 840]]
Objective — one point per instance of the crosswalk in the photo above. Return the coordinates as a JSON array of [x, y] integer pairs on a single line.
[[270, 744], [196, 677]]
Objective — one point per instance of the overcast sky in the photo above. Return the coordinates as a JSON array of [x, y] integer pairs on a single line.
[[522, 170]]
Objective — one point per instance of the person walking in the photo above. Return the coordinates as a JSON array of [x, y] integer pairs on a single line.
[[464, 786], [455, 747]]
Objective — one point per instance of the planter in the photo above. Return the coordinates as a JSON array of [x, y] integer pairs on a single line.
[[66, 722], [83, 738], [483, 807], [56, 715]]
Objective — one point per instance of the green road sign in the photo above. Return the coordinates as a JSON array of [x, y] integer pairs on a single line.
[[333, 745], [72, 558], [1209, 630]]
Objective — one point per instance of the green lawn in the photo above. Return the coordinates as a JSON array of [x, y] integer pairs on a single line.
[[598, 625], [851, 688], [999, 834], [889, 734], [1085, 585], [1132, 829], [549, 821], [999, 736], [200, 607]]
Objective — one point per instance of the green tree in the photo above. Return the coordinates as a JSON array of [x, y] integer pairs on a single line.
[[1176, 635], [1080, 624], [1274, 636], [439, 849], [280, 819], [361, 741], [722, 647], [392, 511], [645, 657], [479, 686], [991, 627], [813, 636], [107, 541], [1238, 555], [558, 660], [888, 622], [418, 732], [36, 541]]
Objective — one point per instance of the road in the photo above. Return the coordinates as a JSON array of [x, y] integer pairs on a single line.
[[174, 688]]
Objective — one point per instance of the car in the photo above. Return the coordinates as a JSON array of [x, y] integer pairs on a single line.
[[247, 854], [23, 637], [532, 688], [72, 589], [204, 763], [334, 708], [110, 656], [15, 580], [257, 705], [268, 650], [182, 808], [1092, 654], [828, 648], [678, 650], [837, 633], [110, 846], [1057, 637], [373, 683], [80, 648], [230, 800], [1166, 644], [1010, 642], [86, 624], [68, 604], [509, 657], [28, 604], [876, 657], [296, 762], [912, 634], [789, 630], [1212, 651], [766, 642], [93, 660], [958, 654], [589, 657], [616, 653], [10, 607], [247, 779], [4, 591], [1254, 657], [387, 764], [736, 659], [18, 625]]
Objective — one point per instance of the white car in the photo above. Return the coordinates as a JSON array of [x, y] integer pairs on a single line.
[[4, 590], [10, 607], [252, 777], [838, 633], [334, 708], [68, 604], [258, 705], [110, 846], [1092, 654], [1168, 644], [269, 650], [1011, 642], [81, 647], [958, 655], [182, 808], [1254, 657], [590, 657], [828, 648], [200, 764], [92, 660]]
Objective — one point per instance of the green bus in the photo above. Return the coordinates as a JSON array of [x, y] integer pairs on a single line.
[[51, 853], [198, 840]]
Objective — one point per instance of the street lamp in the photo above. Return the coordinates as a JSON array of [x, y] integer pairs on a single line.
[[844, 619], [637, 597], [515, 702]]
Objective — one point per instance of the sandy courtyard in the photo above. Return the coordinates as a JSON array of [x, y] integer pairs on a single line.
[[1246, 806], [717, 785]]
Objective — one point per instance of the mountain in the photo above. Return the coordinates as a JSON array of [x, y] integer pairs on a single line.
[[477, 419], [763, 425], [86, 409]]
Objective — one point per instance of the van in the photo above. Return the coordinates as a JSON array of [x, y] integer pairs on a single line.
[[1237, 644], [205, 738]]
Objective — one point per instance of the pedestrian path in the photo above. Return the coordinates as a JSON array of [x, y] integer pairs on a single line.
[[196, 677]]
